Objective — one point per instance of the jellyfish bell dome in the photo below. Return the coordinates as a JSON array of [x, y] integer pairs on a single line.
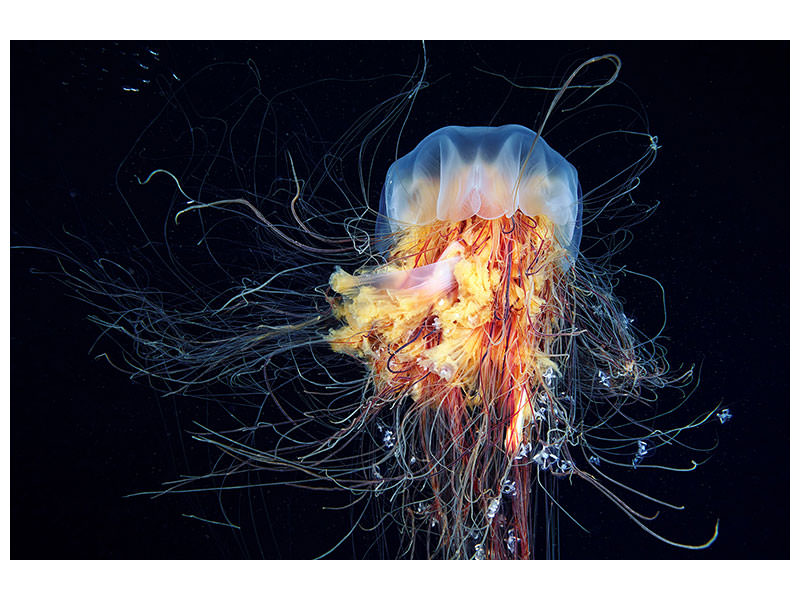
[[458, 172]]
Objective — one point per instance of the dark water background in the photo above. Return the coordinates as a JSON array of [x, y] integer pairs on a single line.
[[83, 436]]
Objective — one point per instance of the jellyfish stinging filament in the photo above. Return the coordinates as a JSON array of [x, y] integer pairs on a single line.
[[467, 327]]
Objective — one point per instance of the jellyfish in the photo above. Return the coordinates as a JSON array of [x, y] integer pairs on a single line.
[[496, 361]]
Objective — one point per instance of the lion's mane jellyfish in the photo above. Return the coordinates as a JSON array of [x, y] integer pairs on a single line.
[[499, 361]]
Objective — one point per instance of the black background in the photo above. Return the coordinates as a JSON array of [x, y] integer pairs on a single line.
[[83, 437]]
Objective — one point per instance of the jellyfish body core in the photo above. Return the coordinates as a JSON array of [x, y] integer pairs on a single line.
[[464, 318]]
